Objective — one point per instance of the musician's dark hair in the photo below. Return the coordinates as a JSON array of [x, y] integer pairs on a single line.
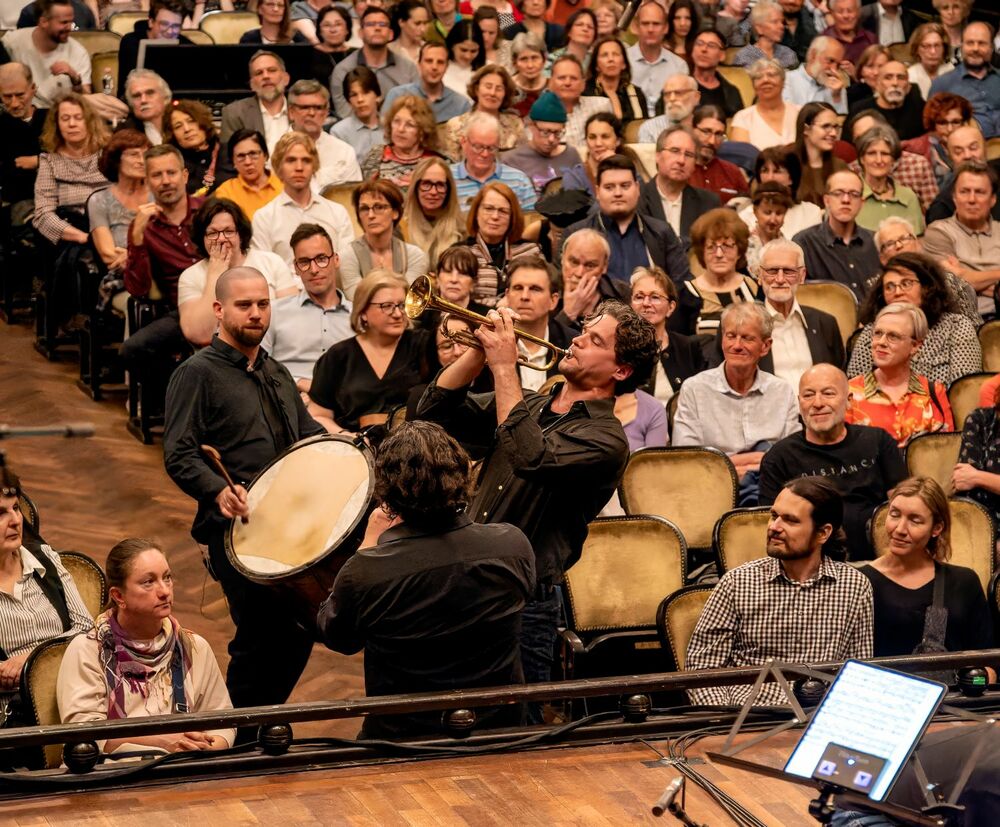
[[119, 562], [635, 344], [422, 475], [827, 509]]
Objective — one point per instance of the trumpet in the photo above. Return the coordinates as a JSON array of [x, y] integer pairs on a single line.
[[422, 297]]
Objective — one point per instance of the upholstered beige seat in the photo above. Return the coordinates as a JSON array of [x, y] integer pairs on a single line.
[[101, 61], [934, 456], [989, 340], [739, 77], [341, 194], [28, 511], [89, 578], [228, 26], [123, 22], [95, 41], [834, 298], [198, 37], [38, 688], [963, 396], [676, 618], [741, 536]]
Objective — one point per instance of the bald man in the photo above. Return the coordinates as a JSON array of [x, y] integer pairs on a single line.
[[233, 396], [21, 126], [863, 462], [966, 143]]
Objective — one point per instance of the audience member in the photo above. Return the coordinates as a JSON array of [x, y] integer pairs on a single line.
[[683, 22], [882, 197], [603, 138], [166, 18], [580, 34], [892, 396], [432, 65], [308, 109], [975, 79], [306, 324], [707, 53], [147, 95], [427, 580], [432, 219], [15, 16], [528, 51], [254, 185], [139, 661], [669, 196], [864, 72], [409, 23], [491, 20], [797, 605], [410, 137], [21, 124], [888, 22], [189, 127], [820, 78], [733, 22], [479, 166], [816, 131], [533, 21], [929, 51], [864, 463], [543, 157], [800, 29], [736, 407], [965, 143], [846, 28], [771, 120], [221, 233], [275, 21], [610, 77], [358, 381], [492, 92], [295, 161], [777, 166], [767, 21], [680, 99], [922, 602], [362, 129], [584, 266], [267, 110], [951, 348], [837, 249], [943, 114], [769, 205], [378, 206], [466, 54], [954, 14], [977, 473], [567, 83], [333, 29], [445, 16], [711, 172], [900, 103]]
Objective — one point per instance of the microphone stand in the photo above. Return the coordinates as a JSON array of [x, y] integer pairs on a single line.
[[668, 802]]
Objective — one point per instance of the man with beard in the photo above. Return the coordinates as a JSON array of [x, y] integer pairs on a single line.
[[897, 100], [267, 110], [233, 396], [680, 97], [820, 77], [147, 95], [800, 28], [796, 605], [975, 79]]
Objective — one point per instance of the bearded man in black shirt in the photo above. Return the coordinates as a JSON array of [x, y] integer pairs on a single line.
[[233, 396], [555, 458]]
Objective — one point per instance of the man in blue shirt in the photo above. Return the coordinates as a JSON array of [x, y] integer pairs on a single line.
[[975, 79], [432, 64], [479, 166]]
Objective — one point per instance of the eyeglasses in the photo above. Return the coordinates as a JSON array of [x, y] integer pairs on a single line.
[[827, 127], [311, 107], [375, 24], [489, 209], [377, 209], [677, 152], [303, 265], [899, 286], [720, 248], [890, 336], [774, 272], [840, 195], [897, 243], [435, 186], [211, 235], [954, 123], [652, 298], [482, 149], [708, 44], [390, 308], [551, 134], [678, 93], [711, 133], [244, 157]]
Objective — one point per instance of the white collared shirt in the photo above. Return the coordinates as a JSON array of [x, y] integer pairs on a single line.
[[531, 379], [890, 29], [671, 209], [789, 344], [274, 125], [337, 162], [274, 223]]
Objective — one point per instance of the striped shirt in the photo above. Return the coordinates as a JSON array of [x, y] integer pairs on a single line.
[[757, 614], [27, 618], [467, 187]]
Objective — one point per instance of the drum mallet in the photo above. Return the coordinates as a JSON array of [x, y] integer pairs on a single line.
[[215, 460]]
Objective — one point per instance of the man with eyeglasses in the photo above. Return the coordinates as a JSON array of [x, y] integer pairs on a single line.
[[544, 156], [968, 243], [819, 79], [652, 62], [680, 98], [267, 110], [711, 172], [391, 69], [307, 324], [669, 196], [253, 185], [975, 78], [308, 108], [966, 143], [166, 17], [479, 166], [432, 63], [837, 249]]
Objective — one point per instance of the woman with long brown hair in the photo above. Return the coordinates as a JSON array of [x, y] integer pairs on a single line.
[[432, 219], [817, 129]]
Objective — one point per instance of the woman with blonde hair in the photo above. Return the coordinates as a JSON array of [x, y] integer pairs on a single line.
[[929, 46], [410, 136], [432, 219]]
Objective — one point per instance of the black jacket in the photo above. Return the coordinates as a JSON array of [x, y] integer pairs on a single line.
[[683, 358], [870, 19], [825, 342], [694, 202]]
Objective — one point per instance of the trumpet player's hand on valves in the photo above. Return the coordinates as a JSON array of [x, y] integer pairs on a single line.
[[499, 341]]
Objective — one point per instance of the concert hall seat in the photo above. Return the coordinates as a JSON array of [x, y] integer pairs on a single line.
[[934, 456], [741, 536], [228, 26], [676, 618], [963, 396], [341, 194], [989, 340], [95, 41], [198, 37], [973, 537], [834, 298], [627, 566], [123, 22], [89, 578], [29, 512], [691, 487], [38, 692], [738, 76]]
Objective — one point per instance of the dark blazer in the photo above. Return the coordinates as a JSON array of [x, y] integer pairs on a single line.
[[554, 34], [870, 19], [694, 202], [684, 357], [241, 114], [561, 335], [825, 341]]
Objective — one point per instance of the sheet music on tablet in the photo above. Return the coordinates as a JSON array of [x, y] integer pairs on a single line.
[[873, 710]]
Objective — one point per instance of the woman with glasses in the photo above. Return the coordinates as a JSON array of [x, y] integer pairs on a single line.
[[432, 219], [492, 91], [410, 135], [654, 297], [944, 112], [951, 348], [528, 53], [275, 26], [254, 185], [581, 32], [333, 30], [817, 130], [221, 232], [719, 241], [610, 77], [929, 48], [771, 120], [360, 380], [777, 165], [878, 151], [892, 395], [378, 206]]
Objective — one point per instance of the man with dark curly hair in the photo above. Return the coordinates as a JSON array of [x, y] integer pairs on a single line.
[[433, 598], [556, 457]]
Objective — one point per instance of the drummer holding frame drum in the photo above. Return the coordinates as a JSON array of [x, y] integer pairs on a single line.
[[232, 396]]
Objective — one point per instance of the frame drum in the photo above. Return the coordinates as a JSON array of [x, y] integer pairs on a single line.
[[308, 512]]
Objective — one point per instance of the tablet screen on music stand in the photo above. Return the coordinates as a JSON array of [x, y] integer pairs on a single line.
[[874, 711]]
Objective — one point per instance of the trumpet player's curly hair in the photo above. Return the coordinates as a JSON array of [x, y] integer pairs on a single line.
[[635, 344], [422, 475]]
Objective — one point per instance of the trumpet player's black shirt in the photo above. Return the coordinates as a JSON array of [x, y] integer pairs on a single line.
[[250, 414], [546, 473]]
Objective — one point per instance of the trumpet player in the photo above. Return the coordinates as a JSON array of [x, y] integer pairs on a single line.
[[555, 458]]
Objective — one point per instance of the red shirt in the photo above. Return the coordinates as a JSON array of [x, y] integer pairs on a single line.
[[721, 177], [166, 252]]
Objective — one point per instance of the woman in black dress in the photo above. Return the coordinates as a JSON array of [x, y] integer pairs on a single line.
[[918, 526], [359, 381]]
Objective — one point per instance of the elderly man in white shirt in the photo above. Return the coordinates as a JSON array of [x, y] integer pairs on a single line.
[[651, 62], [295, 161], [820, 77], [308, 109]]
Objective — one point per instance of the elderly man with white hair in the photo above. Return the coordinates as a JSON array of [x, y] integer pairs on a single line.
[[680, 98], [479, 166], [802, 336], [820, 78], [147, 95], [584, 266]]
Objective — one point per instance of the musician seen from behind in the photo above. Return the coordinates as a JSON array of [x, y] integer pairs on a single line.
[[234, 397], [797, 604], [432, 597], [556, 458]]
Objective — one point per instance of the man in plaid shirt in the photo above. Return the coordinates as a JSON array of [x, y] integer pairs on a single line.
[[795, 605]]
